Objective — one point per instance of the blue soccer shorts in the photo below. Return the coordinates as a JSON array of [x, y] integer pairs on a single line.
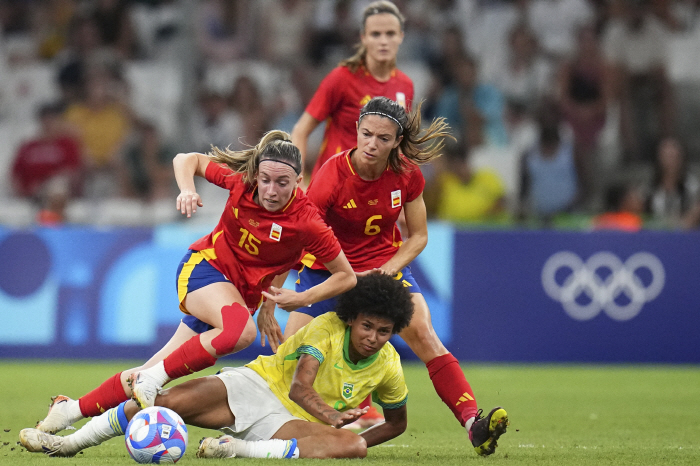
[[193, 273]]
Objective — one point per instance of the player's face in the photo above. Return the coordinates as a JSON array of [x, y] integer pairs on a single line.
[[382, 37], [376, 137], [276, 183], [367, 335]]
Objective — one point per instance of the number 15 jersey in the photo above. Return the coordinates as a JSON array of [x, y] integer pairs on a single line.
[[363, 213], [251, 245]]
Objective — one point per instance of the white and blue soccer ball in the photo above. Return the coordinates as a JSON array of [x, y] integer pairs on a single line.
[[156, 435]]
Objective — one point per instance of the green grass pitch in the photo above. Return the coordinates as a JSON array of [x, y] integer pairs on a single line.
[[560, 415]]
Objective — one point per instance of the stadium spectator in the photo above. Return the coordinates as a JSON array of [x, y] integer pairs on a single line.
[[351, 191], [461, 193], [369, 73], [268, 404], [221, 279], [85, 52], [53, 23], [624, 209], [148, 162], [52, 152], [555, 23], [285, 32], [675, 190], [548, 175], [102, 122], [213, 123], [333, 33], [223, 29], [113, 19], [520, 71], [636, 47], [584, 91], [475, 110], [246, 101]]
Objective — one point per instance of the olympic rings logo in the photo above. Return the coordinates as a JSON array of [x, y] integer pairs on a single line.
[[602, 290]]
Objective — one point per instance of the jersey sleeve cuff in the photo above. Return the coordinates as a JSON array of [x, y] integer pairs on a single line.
[[310, 350], [384, 405]]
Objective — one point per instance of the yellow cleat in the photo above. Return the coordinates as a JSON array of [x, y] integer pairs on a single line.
[[486, 431]]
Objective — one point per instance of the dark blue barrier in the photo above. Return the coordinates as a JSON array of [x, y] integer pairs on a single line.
[[599, 297], [494, 296]]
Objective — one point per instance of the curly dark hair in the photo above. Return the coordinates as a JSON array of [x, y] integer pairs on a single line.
[[377, 295]]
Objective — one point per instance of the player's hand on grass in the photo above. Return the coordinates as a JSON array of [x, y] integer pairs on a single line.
[[347, 417], [285, 299], [187, 202], [268, 326]]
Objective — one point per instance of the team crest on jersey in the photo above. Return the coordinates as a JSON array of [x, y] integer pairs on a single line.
[[276, 232], [347, 390], [396, 199], [253, 223], [364, 100], [401, 99], [373, 202]]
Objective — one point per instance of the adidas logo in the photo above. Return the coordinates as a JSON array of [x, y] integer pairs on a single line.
[[350, 205]]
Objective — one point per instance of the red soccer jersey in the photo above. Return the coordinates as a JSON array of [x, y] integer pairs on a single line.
[[339, 98], [363, 213], [251, 245], [40, 159]]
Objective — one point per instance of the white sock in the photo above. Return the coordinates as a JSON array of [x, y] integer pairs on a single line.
[[468, 424], [74, 412], [274, 448], [96, 431], [158, 373]]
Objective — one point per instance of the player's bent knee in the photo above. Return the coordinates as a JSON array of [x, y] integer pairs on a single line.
[[353, 445], [235, 331]]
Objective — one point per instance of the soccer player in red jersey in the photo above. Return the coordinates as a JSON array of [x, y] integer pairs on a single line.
[[360, 193], [265, 228], [371, 72]]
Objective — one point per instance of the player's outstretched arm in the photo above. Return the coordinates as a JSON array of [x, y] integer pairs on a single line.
[[186, 166], [395, 424], [417, 226], [267, 323], [341, 280], [302, 393]]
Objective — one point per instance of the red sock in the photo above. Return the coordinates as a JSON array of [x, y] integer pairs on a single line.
[[452, 387], [106, 396], [189, 358]]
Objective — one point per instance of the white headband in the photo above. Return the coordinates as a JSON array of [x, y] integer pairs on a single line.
[[384, 115]]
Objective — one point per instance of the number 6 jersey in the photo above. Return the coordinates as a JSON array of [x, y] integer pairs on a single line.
[[251, 245], [363, 213]]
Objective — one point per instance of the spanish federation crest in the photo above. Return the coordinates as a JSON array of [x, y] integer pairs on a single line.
[[276, 232], [396, 199], [347, 390]]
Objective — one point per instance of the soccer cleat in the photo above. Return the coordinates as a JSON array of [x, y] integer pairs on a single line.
[[144, 389], [58, 417], [485, 431], [222, 447], [37, 441]]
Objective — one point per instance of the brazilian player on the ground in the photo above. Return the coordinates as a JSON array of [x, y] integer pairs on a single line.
[[265, 227], [360, 193], [371, 72], [290, 404]]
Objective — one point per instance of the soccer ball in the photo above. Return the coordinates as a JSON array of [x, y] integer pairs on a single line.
[[156, 435]]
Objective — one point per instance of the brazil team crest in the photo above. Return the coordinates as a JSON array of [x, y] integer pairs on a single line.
[[347, 390]]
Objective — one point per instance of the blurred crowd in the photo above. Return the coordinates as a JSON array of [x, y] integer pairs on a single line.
[[566, 113]]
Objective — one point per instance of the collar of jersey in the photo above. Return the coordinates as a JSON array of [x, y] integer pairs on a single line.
[[362, 363]]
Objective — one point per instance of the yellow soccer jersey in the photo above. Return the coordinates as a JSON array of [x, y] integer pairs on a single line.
[[339, 382]]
